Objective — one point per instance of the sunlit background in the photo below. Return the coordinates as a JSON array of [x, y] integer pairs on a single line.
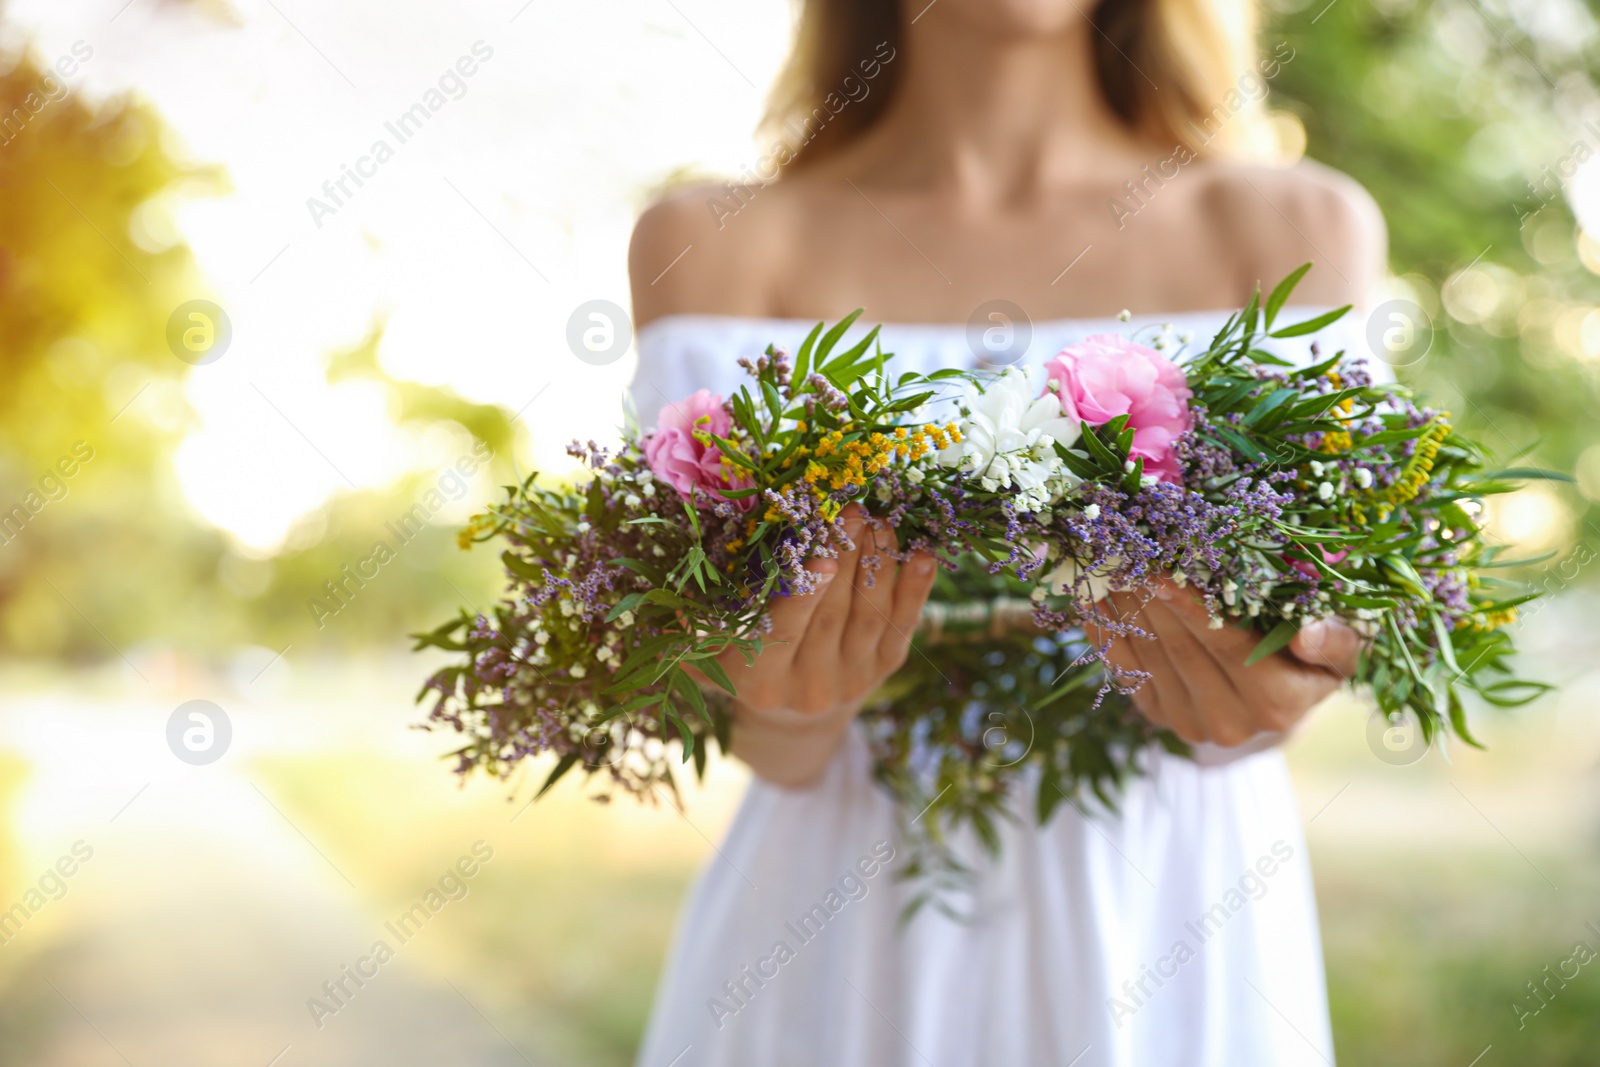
[[157, 152]]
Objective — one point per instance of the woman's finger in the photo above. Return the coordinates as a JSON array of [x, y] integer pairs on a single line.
[[872, 602], [1161, 696], [1214, 707], [912, 585], [757, 682], [1330, 645], [816, 662], [1274, 693]]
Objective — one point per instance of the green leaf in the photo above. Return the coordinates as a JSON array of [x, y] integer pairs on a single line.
[[691, 692], [718, 676], [802, 362], [1276, 638], [1238, 442], [1536, 473], [521, 567], [831, 338], [565, 764], [1131, 481], [1274, 400], [1097, 448], [700, 763], [687, 735], [1458, 718], [1447, 647], [1050, 793], [846, 360], [1280, 295], [1300, 329]]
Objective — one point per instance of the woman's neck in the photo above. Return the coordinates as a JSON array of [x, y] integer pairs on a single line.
[[995, 118]]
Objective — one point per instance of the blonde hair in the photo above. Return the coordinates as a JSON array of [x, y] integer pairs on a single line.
[[1200, 53]]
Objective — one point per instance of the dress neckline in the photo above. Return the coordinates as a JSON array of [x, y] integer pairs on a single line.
[[785, 324]]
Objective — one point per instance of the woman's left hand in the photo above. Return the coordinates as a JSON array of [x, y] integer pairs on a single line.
[[1199, 686]]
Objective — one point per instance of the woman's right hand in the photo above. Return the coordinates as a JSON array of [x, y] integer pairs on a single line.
[[826, 652]]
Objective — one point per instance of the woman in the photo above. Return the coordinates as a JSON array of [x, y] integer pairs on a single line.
[[1072, 163]]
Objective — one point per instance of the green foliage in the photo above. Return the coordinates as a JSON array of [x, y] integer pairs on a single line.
[[83, 312], [1456, 116]]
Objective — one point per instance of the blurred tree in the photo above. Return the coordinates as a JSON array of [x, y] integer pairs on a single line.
[[1466, 119], [99, 551], [92, 405]]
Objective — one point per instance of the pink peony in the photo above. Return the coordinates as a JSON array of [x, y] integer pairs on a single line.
[[1310, 571], [1104, 376], [677, 457]]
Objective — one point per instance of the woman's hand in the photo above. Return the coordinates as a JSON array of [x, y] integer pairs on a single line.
[[827, 650], [1199, 686]]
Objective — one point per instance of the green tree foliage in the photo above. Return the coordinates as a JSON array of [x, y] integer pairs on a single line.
[[96, 562], [1463, 118], [90, 387]]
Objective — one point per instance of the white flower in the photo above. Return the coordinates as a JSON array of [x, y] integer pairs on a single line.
[[583, 526], [1325, 491], [631, 500], [1124, 315], [541, 638], [625, 620], [1091, 512], [1008, 438], [648, 490], [576, 670], [1364, 477], [914, 475]]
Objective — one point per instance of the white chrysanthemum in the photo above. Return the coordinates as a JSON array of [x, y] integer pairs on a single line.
[[1008, 437]]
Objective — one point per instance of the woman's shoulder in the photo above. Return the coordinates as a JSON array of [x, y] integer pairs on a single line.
[[1269, 220], [709, 249]]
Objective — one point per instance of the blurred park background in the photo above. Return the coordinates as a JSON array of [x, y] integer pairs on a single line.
[[154, 153]]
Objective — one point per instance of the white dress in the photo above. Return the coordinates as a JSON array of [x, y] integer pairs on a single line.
[[1179, 932]]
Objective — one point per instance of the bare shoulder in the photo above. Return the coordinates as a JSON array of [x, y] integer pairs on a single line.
[[1273, 219], [688, 257]]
